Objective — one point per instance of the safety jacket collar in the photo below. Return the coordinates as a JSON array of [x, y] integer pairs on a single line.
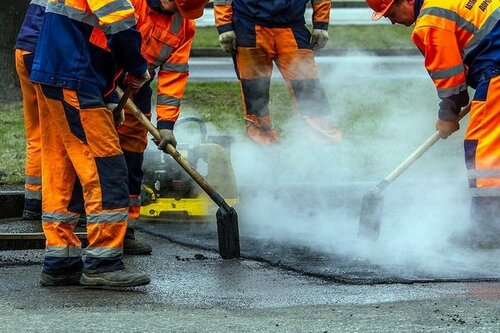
[[417, 6]]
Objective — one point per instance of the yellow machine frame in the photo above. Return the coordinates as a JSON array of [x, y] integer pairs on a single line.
[[220, 175]]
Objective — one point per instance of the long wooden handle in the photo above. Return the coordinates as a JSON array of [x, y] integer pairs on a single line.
[[124, 97], [216, 197], [416, 155]]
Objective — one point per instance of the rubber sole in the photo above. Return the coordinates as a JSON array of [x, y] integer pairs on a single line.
[[97, 281]]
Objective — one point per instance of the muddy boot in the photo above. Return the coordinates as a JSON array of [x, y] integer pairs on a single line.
[[132, 246], [262, 133], [53, 279], [472, 239], [119, 278]]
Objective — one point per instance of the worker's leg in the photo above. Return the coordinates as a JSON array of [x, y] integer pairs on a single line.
[[482, 154], [88, 145], [62, 262], [296, 63], [133, 141], [253, 65], [33, 167]]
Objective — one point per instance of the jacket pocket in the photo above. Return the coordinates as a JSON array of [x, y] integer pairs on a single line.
[[156, 40]]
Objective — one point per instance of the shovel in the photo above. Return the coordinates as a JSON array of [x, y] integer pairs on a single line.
[[373, 201], [227, 218]]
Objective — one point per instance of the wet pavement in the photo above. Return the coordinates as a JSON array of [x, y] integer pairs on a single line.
[[195, 291]]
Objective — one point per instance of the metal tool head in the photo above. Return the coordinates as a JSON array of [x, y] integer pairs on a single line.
[[371, 215], [228, 232]]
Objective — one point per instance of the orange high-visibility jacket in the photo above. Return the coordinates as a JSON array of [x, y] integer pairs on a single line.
[[65, 58], [460, 42], [166, 45]]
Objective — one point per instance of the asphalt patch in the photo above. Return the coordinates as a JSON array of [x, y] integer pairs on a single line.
[[305, 260]]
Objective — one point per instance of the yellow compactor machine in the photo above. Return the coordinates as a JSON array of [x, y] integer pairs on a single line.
[[169, 193]]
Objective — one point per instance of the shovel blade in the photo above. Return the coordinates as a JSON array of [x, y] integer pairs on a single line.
[[228, 233], [371, 216]]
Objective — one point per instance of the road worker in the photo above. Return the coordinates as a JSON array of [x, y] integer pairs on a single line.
[[257, 33], [167, 29], [460, 40], [78, 140], [25, 49], [24, 53]]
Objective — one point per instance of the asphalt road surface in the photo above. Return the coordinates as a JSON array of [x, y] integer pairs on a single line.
[[195, 291]]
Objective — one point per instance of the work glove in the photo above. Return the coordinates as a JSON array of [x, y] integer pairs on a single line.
[[319, 38], [227, 41], [446, 128], [167, 137], [117, 118], [136, 81]]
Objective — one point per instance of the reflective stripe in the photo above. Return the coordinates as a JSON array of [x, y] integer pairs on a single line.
[[73, 13], [135, 201], [180, 68], [29, 194], [475, 173], [447, 92], [131, 223], [168, 100], [166, 50], [63, 251], [485, 191], [490, 22], [451, 15], [447, 73], [33, 180], [222, 2], [69, 218], [112, 7], [42, 3], [100, 252], [115, 27], [107, 217], [91, 19]]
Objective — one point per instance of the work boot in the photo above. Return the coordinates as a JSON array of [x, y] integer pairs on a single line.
[[119, 278], [473, 239], [60, 279], [135, 247], [262, 135], [29, 215]]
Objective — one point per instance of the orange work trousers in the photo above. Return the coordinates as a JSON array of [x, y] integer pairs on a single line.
[[482, 155], [33, 166], [257, 49], [79, 140]]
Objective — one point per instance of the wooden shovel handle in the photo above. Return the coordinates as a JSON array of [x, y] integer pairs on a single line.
[[416, 154]]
